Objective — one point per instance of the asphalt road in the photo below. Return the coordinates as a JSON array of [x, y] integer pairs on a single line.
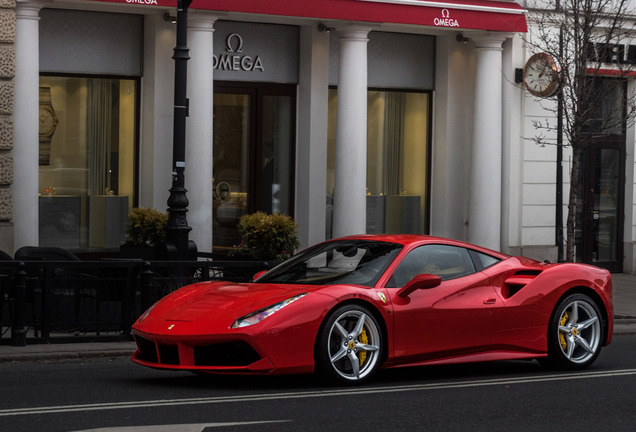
[[502, 396]]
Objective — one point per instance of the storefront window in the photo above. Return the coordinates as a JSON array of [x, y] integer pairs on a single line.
[[86, 161], [397, 161]]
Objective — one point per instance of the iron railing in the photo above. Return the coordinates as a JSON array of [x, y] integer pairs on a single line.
[[72, 301]]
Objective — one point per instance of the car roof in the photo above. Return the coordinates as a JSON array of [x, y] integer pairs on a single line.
[[411, 239]]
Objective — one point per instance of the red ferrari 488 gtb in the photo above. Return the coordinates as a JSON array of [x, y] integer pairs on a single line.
[[348, 307]]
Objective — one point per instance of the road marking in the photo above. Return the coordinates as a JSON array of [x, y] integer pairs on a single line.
[[357, 391], [199, 427]]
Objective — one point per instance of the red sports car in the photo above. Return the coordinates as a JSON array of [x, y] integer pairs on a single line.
[[348, 307]]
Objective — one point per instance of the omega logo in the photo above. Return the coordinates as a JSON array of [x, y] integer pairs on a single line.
[[234, 61], [147, 2], [239, 42], [446, 20]]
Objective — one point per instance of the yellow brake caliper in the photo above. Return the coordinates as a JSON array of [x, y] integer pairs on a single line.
[[564, 320], [365, 340]]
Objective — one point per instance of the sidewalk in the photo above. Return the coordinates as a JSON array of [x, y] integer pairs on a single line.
[[624, 313]]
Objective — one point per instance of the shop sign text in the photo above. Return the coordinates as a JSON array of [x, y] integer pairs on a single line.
[[143, 2], [446, 20], [235, 60]]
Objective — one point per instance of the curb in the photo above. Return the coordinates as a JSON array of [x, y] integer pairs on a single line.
[[624, 326], [61, 351], [56, 356]]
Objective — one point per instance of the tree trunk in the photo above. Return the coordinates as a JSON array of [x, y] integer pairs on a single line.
[[574, 207]]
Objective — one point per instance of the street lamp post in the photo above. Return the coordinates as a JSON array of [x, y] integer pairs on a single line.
[[178, 246]]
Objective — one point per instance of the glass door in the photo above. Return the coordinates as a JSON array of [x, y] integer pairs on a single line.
[[232, 142], [254, 135], [602, 219], [276, 146]]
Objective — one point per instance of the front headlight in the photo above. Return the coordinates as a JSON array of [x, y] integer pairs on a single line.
[[145, 314], [261, 314]]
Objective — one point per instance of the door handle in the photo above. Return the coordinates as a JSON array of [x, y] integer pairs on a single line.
[[490, 301]]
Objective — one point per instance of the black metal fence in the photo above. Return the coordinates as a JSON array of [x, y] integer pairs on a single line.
[[72, 301]]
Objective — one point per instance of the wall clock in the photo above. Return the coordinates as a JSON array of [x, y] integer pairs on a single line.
[[542, 75]]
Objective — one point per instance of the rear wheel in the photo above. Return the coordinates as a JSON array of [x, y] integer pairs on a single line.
[[349, 346], [575, 334]]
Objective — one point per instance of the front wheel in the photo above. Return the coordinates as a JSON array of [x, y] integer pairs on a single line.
[[349, 346], [575, 333]]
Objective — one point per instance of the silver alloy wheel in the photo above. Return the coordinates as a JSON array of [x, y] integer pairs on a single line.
[[579, 331], [354, 345]]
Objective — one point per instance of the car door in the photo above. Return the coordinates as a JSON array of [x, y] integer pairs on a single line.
[[456, 317]]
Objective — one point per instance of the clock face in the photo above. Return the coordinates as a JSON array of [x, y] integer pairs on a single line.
[[48, 121], [541, 75]]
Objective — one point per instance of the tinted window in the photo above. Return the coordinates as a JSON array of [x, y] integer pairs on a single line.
[[484, 260], [448, 262], [341, 262]]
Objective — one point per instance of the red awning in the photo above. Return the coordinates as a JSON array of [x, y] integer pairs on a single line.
[[502, 15]]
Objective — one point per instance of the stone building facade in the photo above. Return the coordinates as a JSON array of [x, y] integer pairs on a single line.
[[7, 74]]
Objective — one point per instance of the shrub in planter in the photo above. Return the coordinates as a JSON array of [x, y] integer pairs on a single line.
[[146, 228], [267, 237]]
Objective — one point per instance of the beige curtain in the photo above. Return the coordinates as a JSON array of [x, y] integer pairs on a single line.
[[101, 102]]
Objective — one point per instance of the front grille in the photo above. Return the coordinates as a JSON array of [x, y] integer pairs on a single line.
[[147, 349], [169, 354], [236, 353]]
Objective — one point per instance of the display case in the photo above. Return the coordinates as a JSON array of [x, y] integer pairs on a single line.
[[60, 218], [403, 214], [108, 215]]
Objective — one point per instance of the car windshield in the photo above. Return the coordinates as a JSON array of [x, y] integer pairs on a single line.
[[357, 262]]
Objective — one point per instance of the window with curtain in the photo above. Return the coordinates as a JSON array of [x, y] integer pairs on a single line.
[[88, 130], [398, 163]]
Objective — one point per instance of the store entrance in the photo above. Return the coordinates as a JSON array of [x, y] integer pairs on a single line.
[[600, 242], [254, 136]]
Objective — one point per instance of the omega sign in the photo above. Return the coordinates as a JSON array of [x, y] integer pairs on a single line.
[[235, 60], [446, 20]]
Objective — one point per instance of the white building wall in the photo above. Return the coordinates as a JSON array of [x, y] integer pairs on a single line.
[[311, 144], [157, 108], [512, 151], [629, 236], [536, 176], [452, 137]]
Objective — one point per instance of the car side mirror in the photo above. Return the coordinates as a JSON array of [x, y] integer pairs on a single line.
[[422, 281], [259, 274]]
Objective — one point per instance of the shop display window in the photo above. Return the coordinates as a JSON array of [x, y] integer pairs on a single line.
[[87, 152], [398, 135]]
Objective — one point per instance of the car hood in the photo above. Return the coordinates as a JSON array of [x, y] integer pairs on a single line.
[[225, 301]]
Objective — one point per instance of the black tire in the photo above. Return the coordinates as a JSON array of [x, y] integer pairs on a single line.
[[350, 345], [575, 333]]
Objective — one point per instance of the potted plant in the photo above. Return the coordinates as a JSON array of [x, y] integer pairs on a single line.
[[145, 233], [266, 237]]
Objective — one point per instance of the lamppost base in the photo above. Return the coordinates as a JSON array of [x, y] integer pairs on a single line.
[[172, 252]]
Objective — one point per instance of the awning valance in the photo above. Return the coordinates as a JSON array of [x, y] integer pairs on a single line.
[[493, 15]]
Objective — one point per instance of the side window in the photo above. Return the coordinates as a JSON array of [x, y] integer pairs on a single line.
[[484, 260], [448, 262]]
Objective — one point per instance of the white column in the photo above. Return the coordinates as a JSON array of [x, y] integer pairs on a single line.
[[157, 111], [349, 213], [25, 110], [199, 137], [484, 220], [311, 151]]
